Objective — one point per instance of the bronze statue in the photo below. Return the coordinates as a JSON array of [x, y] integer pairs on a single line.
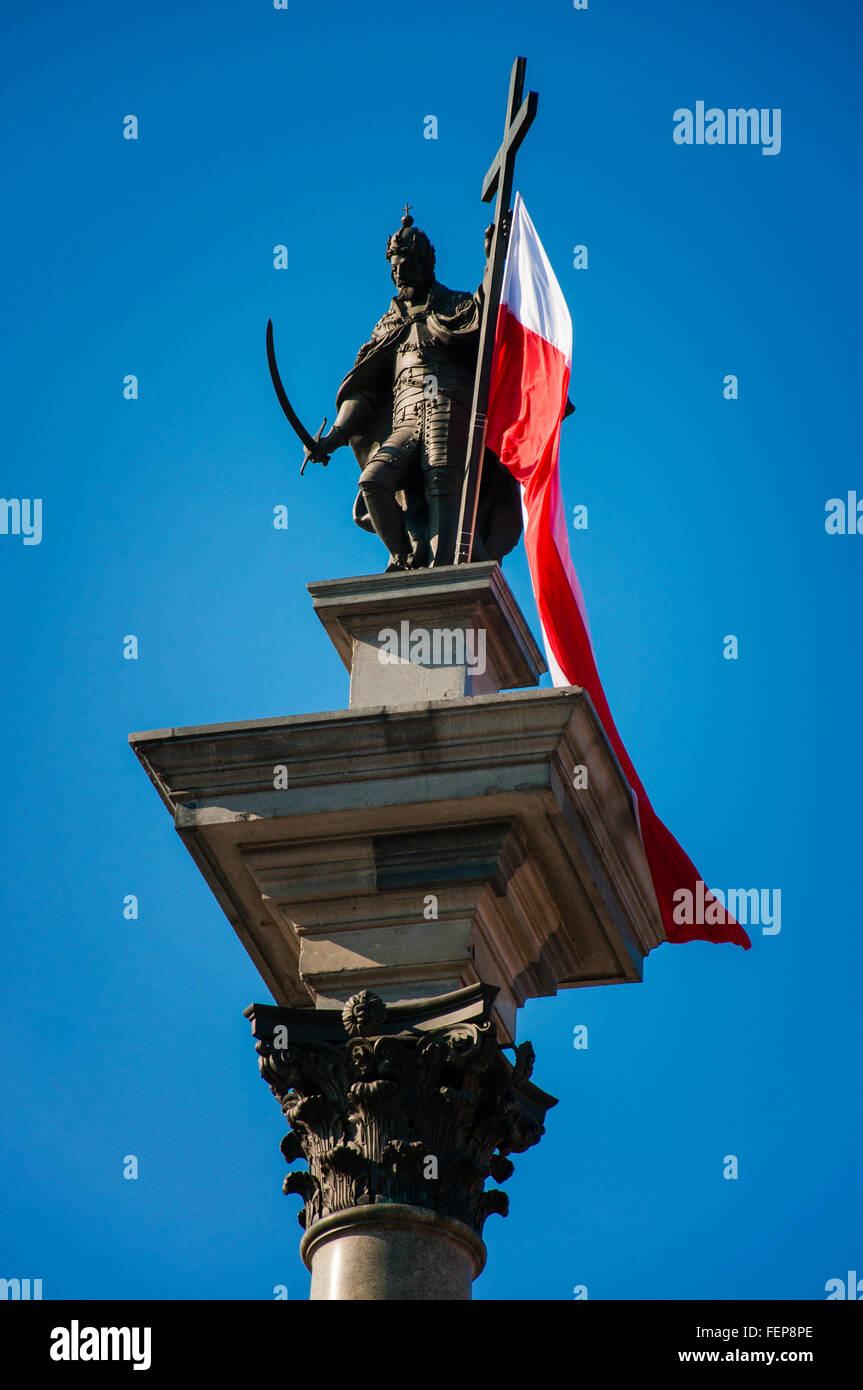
[[405, 408]]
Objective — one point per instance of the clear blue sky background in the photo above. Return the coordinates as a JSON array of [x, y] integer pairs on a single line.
[[706, 518]]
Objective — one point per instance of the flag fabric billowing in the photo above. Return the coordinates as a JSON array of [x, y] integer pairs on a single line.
[[527, 399]]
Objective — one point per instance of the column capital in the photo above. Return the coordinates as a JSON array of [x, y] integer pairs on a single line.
[[411, 1104]]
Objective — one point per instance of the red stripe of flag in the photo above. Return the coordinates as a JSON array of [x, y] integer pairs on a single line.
[[527, 398]]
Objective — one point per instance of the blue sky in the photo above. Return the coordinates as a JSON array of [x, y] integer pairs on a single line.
[[706, 518]]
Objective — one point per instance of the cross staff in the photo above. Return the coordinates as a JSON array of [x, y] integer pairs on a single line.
[[519, 117]]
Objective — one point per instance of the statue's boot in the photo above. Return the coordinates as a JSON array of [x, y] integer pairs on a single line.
[[389, 523], [443, 527], [416, 526]]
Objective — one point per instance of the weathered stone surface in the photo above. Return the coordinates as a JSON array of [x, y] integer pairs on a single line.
[[459, 632], [540, 883]]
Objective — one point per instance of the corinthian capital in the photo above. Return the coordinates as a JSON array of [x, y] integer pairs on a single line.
[[415, 1104]]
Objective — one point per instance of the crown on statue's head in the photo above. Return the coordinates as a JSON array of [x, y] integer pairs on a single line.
[[409, 238]]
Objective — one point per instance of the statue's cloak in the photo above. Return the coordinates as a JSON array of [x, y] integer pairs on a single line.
[[453, 319]]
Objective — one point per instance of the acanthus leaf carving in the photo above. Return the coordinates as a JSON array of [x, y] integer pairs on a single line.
[[398, 1112]]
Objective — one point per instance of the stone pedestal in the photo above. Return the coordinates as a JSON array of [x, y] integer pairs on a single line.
[[434, 634], [420, 845]]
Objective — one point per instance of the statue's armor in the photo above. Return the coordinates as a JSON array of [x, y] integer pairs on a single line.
[[418, 355], [405, 406], [431, 405], [431, 418]]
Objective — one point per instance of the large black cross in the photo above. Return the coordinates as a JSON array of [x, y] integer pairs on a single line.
[[519, 116]]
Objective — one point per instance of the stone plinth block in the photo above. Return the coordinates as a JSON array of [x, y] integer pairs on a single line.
[[428, 635]]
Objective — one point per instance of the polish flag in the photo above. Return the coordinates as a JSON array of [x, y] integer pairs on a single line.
[[527, 400]]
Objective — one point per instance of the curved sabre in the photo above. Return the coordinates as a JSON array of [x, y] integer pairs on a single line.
[[309, 441]]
